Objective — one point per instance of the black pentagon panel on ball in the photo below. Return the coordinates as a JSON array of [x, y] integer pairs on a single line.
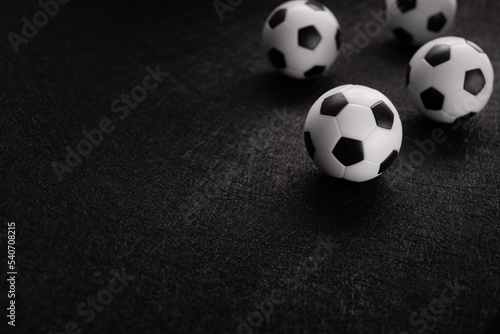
[[438, 54], [309, 37], [406, 5], [277, 18], [333, 105], [314, 71], [432, 99], [387, 162], [474, 81], [436, 22], [338, 38], [315, 5], [475, 46], [309, 144], [383, 115], [403, 35], [348, 151], [277, 58]]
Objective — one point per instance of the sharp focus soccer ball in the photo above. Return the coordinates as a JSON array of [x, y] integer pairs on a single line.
[[420, 21], [301, 38], [450, 78], [353, 132]]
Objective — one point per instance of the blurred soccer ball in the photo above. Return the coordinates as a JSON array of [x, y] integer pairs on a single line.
[[301, 38]]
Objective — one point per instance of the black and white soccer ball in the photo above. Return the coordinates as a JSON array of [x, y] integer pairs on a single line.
[[450, 78], [301, 38], [353, 132], [420, 21]]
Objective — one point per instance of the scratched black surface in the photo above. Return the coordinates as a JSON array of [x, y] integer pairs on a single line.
[[205, 192]]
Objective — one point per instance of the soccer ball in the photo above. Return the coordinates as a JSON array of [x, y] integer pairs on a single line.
[[450, 78], [353, 132], [301, 38], [420, 21]]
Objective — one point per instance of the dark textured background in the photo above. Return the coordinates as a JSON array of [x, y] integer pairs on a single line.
[[205, 192]]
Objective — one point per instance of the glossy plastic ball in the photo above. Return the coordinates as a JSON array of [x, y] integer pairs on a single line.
[[353, 132], [450, 78]]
